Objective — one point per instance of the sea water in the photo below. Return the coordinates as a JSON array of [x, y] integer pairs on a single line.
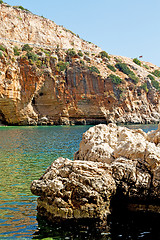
[[25, 153]]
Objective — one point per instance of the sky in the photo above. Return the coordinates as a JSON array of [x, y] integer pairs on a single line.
[[128, 28]]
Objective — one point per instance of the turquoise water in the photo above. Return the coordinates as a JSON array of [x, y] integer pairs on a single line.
[[25, 153]]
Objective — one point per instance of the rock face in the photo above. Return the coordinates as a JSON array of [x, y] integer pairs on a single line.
[[113, 165], [62, 79]]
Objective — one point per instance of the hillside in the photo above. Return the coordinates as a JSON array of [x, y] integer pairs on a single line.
[[48, 75]]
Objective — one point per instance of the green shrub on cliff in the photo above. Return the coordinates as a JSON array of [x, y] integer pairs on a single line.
[[32, 56], [61, 66], [80, 53], [26, 48], [22, 8], [133, 78], [156, 73], [71, 52], [94, 69], [2, 48], [104, 54], [16, 51], [135, 60], [155, 84], [115, 79], [125, 69], [144, 87], [151, 77], [111, 67]]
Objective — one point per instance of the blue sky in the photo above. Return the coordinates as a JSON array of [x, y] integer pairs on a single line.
[[120, 27]]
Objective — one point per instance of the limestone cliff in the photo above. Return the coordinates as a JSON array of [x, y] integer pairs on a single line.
[[48, 75]]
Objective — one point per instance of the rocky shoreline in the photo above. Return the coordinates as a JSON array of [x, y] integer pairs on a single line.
[[114, 166]]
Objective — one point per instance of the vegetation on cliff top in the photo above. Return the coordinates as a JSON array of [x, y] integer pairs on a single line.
[[135, 60]]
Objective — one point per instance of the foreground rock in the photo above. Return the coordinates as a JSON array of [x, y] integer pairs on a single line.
[[115, 166]]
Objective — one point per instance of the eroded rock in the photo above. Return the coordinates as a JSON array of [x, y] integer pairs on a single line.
[[113, 162]]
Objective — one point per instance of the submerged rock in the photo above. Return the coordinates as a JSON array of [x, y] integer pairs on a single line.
[[114, 165]]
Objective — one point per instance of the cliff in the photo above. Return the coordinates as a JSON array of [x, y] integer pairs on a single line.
[[48, 75]]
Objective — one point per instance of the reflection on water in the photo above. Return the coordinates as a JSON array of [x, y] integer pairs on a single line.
[[25, 152]]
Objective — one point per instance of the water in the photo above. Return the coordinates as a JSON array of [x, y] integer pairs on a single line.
[[25, 153]]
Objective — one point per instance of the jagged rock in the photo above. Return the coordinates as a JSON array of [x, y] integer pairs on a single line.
[[113, 163], [74, 190]]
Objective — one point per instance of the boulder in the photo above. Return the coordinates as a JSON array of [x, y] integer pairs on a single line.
[[74, 190], [113, 165]]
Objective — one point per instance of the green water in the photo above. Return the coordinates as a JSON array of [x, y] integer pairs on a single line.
[[25, 153]]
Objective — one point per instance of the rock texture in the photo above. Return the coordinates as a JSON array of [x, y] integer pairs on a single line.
[[63, 79], [113, 165]]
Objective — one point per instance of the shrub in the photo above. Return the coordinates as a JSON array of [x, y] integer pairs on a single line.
[[133, 77], [61, 66], [82, 62], [103, 54], [80, 53], [39, 63], [71, 52], [135, 60], [26, 48], [144, 87], [156, 73], [16, 51], [151, 77], [46, 52], [32, 56], [94, 69], [155, 84], [144, 65], [86, 53], [125, 69], [112, 68], [2, 48], [22, 8], [1, 1], [1, 54], [115, 79]]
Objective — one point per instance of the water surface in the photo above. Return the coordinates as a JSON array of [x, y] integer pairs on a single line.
[[25, 153]]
